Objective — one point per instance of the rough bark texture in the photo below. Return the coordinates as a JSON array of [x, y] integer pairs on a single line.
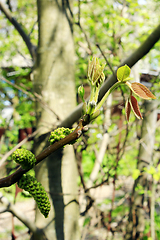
[[54, 80], [136, 220]]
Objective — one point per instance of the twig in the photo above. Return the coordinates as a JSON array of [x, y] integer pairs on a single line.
[[32, 28], [80, 26], [152, 220], [11, 208], [85, 48], [18, 27], [34, 96], [99, 160], [113, 72], [13, 178], [19, 88]]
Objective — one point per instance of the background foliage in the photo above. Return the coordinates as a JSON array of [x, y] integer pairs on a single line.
[[110, 30]]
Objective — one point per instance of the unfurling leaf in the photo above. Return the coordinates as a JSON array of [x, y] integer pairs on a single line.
[[135, 107], [91, 68], [81, 92], [128, 109], [141, 91], [95, 72], [123, 73]]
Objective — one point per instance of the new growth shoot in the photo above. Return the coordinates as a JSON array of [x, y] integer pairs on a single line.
[[96, 78]]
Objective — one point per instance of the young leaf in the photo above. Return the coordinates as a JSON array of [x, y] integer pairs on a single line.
[[81, 92], [123, 73], [141, 91], [135, 107], [128, 109]]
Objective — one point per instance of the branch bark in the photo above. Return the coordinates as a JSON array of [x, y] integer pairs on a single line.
[[30, 46], [12, 209]]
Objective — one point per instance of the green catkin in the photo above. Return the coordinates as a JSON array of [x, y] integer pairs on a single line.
[[59, 134], [25, 158], [37, 191]]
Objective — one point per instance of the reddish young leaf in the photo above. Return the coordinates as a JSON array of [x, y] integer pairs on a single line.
[[142, 91], [128, 109], [135, 107]]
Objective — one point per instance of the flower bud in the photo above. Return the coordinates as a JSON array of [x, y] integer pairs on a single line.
[[95, 72], [25, 158], [91, 107], [59, 134], [84, 108], [37, 191], [95, 115]]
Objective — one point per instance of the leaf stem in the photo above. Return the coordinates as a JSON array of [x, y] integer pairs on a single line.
[[117, 84]]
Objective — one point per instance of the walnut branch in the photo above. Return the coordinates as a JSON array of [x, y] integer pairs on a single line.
[[30, 46], [141, 51], [13, 178]]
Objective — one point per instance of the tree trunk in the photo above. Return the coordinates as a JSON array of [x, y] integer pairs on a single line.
[[136, 221], [54, 81]]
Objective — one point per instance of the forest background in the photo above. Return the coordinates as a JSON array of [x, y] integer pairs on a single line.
[[45, 47]]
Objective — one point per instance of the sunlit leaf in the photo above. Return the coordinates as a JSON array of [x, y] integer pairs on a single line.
[[136, 174], [142, 91], [135, 107], [156, 176], [91, 68], [123, 73], [152, 170]]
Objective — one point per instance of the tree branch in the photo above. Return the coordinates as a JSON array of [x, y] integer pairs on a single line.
[[14, 177], [141, 51], [30, 46], [12, 209]]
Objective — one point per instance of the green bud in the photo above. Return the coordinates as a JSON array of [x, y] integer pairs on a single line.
[[84, 108], [95, 115], [95, 72], [25, 158], [37, 191], [59, 134], [91, 107], [81, 92]]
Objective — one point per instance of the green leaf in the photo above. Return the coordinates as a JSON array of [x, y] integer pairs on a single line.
[[81, 92], [136, 174], [152, 170], [156, 176], [123, 73]]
